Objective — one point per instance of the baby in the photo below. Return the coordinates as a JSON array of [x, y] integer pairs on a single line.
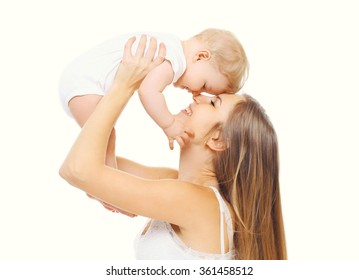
[[212, 61]]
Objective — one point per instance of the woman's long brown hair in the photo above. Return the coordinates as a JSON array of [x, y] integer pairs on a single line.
[[248, 176]]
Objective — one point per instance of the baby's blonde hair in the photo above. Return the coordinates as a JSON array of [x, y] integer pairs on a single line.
[[228, 54]]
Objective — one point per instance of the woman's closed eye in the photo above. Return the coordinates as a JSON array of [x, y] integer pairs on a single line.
[[216, 101]]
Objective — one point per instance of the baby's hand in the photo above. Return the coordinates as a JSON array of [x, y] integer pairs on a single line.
[[177, 131]]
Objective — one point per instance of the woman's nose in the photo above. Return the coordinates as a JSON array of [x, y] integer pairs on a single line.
[[195, 97], [199, 98]]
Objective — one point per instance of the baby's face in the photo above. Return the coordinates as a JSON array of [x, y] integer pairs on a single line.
[[202, 76]]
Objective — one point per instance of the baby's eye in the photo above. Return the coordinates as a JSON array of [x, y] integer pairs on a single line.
[[212, 103]]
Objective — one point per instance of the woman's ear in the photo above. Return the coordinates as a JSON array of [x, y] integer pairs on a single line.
[[217, 143], [203, 55]]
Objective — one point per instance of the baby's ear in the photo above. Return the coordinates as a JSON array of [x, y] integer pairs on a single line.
[[216, 142], [203, 55]]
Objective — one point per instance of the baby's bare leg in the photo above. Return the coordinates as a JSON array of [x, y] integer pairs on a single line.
[[81, 108]]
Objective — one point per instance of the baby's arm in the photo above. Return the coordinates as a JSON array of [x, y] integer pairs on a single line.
[[151, 96]]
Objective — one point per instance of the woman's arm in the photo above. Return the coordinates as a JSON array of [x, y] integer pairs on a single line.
[[85, 166], [146, 172]]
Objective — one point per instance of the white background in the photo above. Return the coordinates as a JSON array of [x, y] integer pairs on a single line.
[[304, 71]]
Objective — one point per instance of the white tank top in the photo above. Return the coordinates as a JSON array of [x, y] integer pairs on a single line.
[[160, 241]]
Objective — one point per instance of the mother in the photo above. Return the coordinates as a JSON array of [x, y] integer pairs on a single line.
[[222, 203]]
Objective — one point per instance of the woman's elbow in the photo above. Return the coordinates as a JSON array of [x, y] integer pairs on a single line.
[[67, 173], [64, 171], [72, 173]]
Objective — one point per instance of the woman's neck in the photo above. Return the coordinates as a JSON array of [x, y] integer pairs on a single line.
[[196, 166]]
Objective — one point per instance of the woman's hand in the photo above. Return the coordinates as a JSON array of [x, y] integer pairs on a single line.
[[134, 68]]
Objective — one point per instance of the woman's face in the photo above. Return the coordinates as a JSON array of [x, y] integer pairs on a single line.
[[205, 112]]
